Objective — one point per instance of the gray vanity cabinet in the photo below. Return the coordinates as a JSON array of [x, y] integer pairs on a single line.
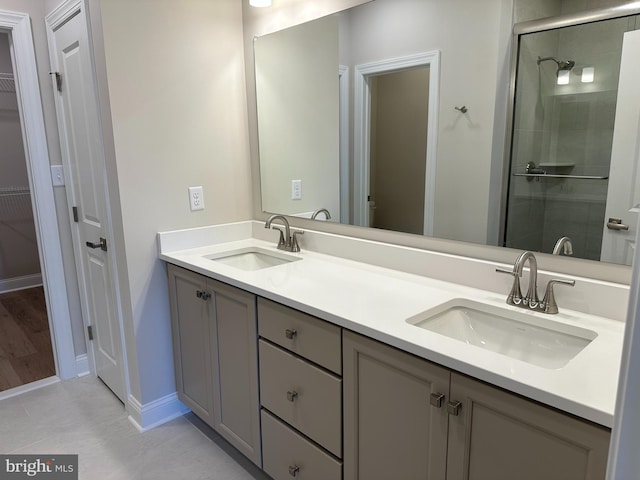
[[214, 330], [301, 394], [390, 428], [191, 328], [502, 436], [396, 425]]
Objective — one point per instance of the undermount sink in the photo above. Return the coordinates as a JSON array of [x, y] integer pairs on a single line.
[[523, 336], [252, 258]]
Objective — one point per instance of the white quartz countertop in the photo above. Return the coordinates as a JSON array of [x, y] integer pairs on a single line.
[[376, 302]]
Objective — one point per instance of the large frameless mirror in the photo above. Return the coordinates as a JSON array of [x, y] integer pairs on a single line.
[[383, 116]]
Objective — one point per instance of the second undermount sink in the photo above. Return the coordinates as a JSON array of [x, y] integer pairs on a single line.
[[252, 258], [523, 336]]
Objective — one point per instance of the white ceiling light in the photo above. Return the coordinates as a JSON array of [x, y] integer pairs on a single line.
[[260, 3]]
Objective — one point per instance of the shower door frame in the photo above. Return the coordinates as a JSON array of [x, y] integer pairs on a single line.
[[536, 26]]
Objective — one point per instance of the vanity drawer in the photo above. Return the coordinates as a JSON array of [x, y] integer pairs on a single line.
[[309, 337], [303, 395], [284, 451]]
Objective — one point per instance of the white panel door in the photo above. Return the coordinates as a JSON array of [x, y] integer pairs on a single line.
[[623, 197], [83, 158]]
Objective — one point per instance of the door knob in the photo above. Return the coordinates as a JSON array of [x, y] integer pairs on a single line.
[[102, 244], [616, 224]]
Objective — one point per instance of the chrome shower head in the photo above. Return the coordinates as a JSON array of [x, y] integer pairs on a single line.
[[566, 65], [562, 64]]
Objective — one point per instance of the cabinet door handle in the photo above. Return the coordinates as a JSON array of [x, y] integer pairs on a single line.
[[453, 408], [436, 399], [290, 333], [293, 470], [203, 295], [291, 396]]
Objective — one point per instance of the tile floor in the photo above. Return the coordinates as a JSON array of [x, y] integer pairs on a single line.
[[82, 416]]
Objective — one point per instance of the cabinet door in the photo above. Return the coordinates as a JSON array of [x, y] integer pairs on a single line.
[[390, 428], [235, 368], [500, 436], [191, 326]]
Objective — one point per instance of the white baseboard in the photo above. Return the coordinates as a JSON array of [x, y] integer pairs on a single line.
[[82, 365], [12, 392], [152, 414], [20, 283]]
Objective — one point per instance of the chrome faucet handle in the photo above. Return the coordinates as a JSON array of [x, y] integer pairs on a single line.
[[281, 241], [295, 246], [515, 295], [549, 304]]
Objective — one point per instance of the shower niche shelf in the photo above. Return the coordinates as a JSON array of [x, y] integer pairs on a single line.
[[557, 164]]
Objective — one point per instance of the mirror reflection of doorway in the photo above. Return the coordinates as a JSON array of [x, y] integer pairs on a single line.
[[26, 353], [398, 150]]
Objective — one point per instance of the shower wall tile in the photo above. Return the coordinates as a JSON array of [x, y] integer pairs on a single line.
[[525, 10], [527, 147], [581, 221]]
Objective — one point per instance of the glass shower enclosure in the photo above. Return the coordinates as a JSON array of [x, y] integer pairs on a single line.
[[564, 112]]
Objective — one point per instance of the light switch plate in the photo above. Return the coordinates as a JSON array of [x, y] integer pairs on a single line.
[[196, 198], [57, 175]]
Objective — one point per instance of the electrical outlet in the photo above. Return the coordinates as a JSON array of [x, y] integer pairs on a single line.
[[196, 198], [296, 189]]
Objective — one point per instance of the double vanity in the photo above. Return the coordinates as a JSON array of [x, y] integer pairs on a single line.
[[317, 366]]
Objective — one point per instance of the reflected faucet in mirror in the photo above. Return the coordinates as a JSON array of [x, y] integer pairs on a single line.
[[564, 246], [286, 241], [315, 214]]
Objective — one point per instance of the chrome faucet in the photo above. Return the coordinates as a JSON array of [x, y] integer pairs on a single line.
[[531, 298], [531, 301], [563, 245], [327, 215], [286, 241]]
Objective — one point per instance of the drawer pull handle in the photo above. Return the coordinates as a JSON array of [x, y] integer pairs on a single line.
[[290, 333], [453, 408], [436, 399], [293, 470], [291, 396]]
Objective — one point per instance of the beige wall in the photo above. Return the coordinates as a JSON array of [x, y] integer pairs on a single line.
[[261, 21], [175, 73], [298, 107]]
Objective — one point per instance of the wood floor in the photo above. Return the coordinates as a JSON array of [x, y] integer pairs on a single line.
[[25, 342]]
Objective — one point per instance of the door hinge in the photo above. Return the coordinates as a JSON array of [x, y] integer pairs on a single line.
[[75, 214], [58, 80], [90, 332]]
